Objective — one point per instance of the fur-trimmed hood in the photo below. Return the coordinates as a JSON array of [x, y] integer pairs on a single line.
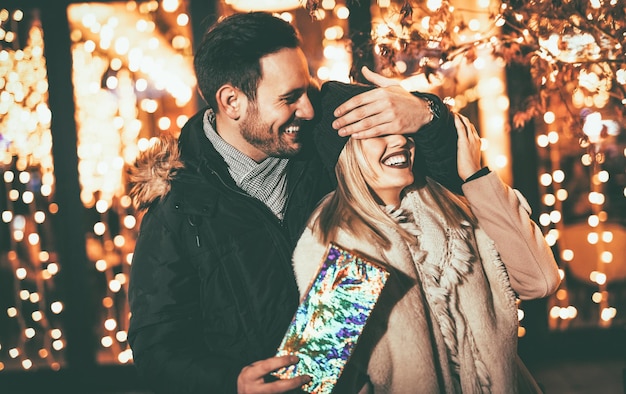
[[153, 171]]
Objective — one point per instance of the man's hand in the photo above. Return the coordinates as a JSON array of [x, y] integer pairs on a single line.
[[390, 109], [251, 378], [468, 151]]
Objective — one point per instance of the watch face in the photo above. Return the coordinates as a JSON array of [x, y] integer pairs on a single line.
[[434, 108]]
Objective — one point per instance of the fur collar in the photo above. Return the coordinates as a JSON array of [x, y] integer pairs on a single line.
[[153, 171]]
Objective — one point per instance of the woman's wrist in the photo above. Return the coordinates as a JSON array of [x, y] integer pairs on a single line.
[[482, 172]]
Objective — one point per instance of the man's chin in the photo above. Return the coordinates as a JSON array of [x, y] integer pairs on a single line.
[[288, 151]]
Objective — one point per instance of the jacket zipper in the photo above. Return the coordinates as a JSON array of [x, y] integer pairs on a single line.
[[267, 211]]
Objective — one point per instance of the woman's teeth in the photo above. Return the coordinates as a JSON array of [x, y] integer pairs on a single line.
[[396, 160]]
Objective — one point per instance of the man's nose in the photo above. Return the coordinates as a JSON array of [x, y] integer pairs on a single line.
[[305, 108]]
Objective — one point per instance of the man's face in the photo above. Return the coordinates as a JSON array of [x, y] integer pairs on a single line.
[[272, 123]]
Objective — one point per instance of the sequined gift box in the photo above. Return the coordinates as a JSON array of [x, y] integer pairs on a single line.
[[331, 317]]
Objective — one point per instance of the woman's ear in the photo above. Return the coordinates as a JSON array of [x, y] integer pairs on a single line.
[[231, 101]]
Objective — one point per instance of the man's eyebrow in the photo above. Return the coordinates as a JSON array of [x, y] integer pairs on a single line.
[[293, 93]]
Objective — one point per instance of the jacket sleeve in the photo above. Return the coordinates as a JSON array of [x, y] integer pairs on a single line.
[[504, 215], [166, 323], [436, 143]]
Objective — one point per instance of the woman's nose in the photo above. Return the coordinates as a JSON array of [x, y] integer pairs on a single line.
[[399, 140]]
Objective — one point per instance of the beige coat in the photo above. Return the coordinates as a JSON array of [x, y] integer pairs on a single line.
[[448, 320]]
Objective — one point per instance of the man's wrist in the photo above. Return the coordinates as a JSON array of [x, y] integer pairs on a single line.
[[433, 106], [435, 112]]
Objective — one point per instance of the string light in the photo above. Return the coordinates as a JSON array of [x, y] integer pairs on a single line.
[[575, 55], [148, 88], [123, 93], [120, 45], [28, 177]]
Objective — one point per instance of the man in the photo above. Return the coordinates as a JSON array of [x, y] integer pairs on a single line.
[[212, 290]]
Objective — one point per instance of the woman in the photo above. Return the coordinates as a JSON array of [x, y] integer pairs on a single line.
[[447, 319]]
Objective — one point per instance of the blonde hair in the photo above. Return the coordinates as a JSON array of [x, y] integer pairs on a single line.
[[356, 209]]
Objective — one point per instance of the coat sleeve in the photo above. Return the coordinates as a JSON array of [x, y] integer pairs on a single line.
[[436, 143], [504, 215], [166, 323]]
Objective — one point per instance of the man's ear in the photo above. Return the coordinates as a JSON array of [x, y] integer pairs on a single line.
[[231, 101]]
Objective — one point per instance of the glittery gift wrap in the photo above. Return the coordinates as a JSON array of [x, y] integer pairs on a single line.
[[331, 317]]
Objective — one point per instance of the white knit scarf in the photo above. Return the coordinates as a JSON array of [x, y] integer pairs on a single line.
[[440, 279]]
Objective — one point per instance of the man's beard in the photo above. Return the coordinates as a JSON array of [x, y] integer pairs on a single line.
[[260, 135]]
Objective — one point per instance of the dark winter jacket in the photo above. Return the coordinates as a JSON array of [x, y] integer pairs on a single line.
[[212, 288]]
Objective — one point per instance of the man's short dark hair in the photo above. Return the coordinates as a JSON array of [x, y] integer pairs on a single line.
[[231, 50]]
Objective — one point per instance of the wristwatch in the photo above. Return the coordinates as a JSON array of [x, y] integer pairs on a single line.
[[435, 111]]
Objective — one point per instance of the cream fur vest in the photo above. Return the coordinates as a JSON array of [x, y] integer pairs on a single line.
[[447, 322]]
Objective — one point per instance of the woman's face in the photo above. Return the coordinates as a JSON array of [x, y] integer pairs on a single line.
[[390, 157]]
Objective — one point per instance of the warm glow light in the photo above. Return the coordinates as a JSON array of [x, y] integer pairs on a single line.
[[53, 268], [567, 254], [20, 273], [125, 356], [542, 140], [99, 228], [121, 278], [170, 5], [101, 265], [110, 324], [558, 176], [342, 12], [264, 5], [119, 241], [115, 286], [329, 4], [106, 341], [555, 216], [545, 179], [596, 198], [58, 344], [606, 257], [39, 217], [129, 221], [552, 237], [603, 176], [597, 297], [608, 314], [56, 333], [593, 126], [56, 307], [121, 336], [549, 199]]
